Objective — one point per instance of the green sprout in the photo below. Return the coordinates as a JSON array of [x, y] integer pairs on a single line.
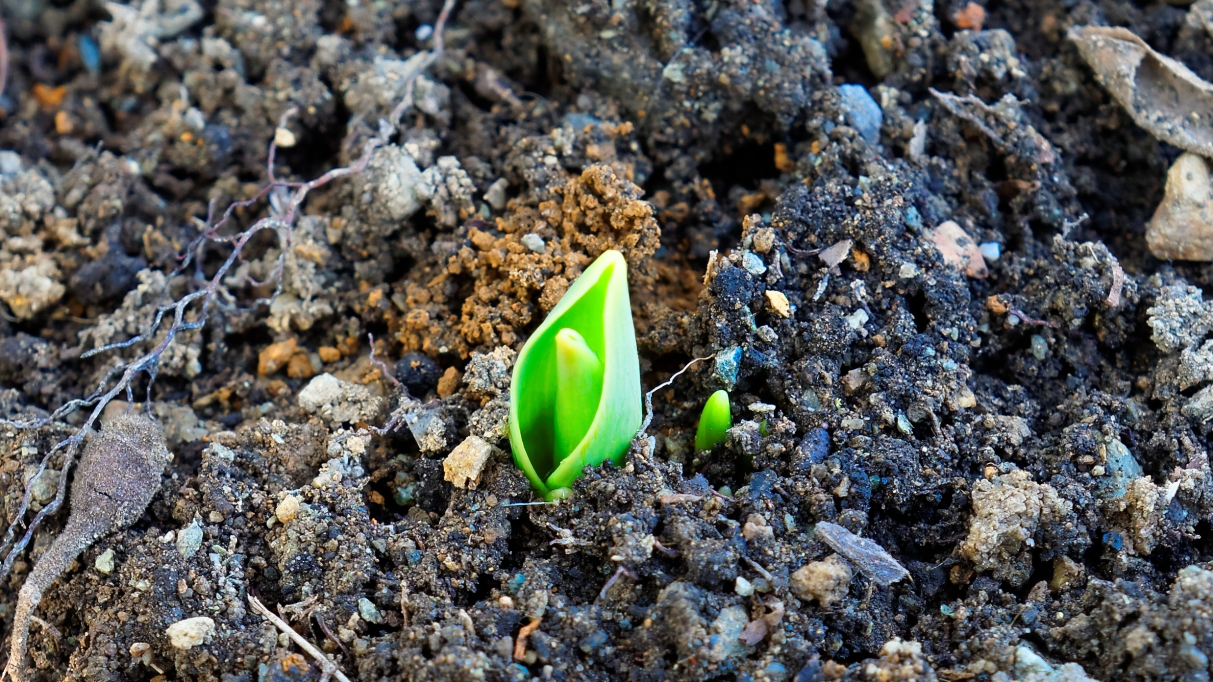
[[575, 397], [715, 420]]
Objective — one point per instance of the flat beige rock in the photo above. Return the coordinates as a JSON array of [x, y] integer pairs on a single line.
[[463, 466], [1182, 226]]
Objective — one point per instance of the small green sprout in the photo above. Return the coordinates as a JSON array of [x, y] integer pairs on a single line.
[[575, 397], [715, 420]]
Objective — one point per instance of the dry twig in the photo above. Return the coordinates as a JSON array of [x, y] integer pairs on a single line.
[[3, 57], [330, 669]]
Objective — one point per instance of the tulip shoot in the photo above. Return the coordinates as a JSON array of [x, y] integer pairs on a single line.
[[575, 396], [714, 421]]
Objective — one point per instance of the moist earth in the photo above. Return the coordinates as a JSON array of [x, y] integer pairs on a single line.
[[909, 240]]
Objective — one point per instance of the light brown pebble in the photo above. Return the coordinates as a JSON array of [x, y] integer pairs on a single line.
[[779, 303], [463, 466], [329, 354], [826, 581], [300, 367], [284, 138], [275, 356], [1182, 226], [449, 382], [189, 633], [287, 509]]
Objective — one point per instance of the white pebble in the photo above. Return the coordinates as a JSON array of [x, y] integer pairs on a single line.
[[189, 633], [534, 242]]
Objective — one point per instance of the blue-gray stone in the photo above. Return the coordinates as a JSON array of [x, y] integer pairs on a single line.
[[863, 111], [728, 362], [1121, 470]]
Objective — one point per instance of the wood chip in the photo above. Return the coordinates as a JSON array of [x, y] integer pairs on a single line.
[[523, 634]]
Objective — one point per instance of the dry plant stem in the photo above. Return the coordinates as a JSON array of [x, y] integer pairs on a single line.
[[329, 668], [3, 57], [121, 377]]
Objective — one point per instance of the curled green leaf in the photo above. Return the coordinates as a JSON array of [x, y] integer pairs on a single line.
[[575, 396], [714, 421]]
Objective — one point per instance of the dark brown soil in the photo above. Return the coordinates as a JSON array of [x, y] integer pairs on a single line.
[[1026, 444]]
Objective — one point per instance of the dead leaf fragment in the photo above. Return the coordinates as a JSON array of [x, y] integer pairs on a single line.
[[1162, 95], [871, 559], [959, 249], [1182, 226]]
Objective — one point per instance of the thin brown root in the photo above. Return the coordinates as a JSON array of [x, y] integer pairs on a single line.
[[621, 571], [324, 627], [648, 397]]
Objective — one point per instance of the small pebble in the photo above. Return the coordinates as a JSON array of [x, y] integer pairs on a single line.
[[753, 264], [907, 271], [10, 163], [1182, 226], [1040, 347], [189, 633], [463, 466], [728, 362], [105, 562], [743, 587], [287, 509], [284, 138], [275, 356], [779, 303], [189, 540], [863, 111], [857, 319], [368, 611], [764, 239], [959, 249], [826, 581], [495, 194], [534, 242], [991, 251]]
